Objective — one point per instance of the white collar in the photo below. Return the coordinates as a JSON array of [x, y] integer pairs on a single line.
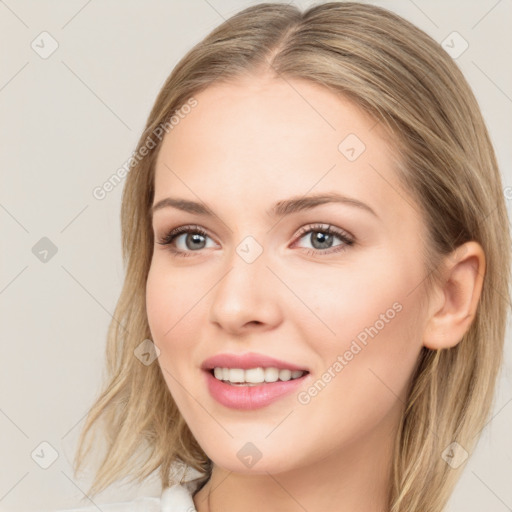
[[178, 497]]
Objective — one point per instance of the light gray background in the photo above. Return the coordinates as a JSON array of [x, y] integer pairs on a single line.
[[68, 122]]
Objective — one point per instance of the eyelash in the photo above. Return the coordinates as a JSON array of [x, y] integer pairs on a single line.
[[347, 240]]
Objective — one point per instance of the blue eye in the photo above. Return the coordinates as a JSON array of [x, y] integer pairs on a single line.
[[195, 238], [322, 238]]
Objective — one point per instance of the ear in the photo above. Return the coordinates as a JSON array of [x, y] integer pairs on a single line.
[[456, 299]]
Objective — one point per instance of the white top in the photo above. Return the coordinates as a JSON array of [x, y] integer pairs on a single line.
[[177, 498]]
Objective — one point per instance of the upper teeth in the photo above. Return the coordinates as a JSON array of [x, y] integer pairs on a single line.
[[255, 375]]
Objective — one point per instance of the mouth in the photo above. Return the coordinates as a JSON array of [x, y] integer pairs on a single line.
[[237, 392], [250, 380], [255, 376]]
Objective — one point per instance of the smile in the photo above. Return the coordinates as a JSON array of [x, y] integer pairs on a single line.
[[255, 376], [243, 395]]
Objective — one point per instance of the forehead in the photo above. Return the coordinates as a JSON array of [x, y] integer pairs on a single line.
[[269, 117], [269, 139]]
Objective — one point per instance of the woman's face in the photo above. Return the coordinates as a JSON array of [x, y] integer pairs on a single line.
[[265, 278]]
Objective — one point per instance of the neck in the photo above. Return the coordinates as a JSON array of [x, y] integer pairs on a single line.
[[355, 478]]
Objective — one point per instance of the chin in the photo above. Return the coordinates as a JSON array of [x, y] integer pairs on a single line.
[[244, 457]]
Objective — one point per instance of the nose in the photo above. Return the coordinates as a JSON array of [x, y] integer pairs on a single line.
[[246, 297]]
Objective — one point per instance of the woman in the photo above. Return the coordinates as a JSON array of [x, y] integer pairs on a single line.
[[318, 260]]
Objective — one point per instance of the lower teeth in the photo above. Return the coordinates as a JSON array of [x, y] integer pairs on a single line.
[[243, 383], [251, 383]]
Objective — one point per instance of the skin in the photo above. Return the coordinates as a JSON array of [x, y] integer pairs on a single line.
[[244, 147]]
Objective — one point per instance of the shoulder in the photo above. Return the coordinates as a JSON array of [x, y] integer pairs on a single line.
[[141, 504], [176, 498]]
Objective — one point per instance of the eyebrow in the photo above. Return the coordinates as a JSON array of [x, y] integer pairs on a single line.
[[279, 209]]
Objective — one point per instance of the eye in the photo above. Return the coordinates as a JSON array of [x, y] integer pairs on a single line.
[[322, 237], [194, 238]]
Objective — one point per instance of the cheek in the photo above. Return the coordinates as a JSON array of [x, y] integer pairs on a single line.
[[170, 312], [171, 319], [159, 298], [170, 298], [342, 302], [176, 304], [367, 315]]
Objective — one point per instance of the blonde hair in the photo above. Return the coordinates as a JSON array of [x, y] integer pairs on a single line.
[[406, 81]]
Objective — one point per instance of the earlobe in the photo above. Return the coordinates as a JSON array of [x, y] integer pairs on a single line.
[[457, 298]]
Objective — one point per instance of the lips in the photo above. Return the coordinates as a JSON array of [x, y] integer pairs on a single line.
[[248, 360], [248, 397], [251, 397]]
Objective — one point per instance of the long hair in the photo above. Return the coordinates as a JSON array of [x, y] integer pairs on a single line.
[[411, 86]]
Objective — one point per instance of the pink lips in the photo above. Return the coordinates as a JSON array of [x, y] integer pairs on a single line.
[[249, 397], [247, 360]]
